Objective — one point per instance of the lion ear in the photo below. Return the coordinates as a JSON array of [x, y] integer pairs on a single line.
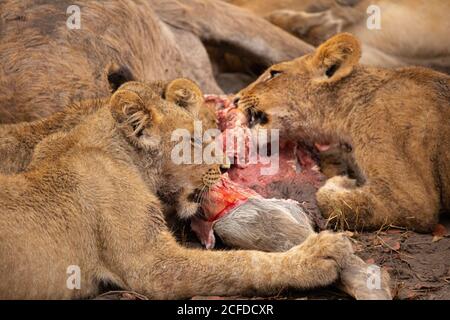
[[130, 108], [336, 58], [184, 93]]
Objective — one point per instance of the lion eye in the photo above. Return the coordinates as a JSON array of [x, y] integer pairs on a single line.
[[274, 73]]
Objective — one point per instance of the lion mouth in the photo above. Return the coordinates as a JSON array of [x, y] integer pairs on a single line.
[[255, 117], [194, 196], [245, 124], [199, 195]]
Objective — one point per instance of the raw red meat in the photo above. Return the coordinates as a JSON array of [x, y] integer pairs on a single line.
[[298, 177], [243, 218], [220, 201], [236, 213]]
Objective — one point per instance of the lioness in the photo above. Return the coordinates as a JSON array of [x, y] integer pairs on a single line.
[[88, 200], [47, 62], [17, 141], [393, 33], [397, 123]]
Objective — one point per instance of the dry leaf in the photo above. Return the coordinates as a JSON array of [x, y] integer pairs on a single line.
[[349, 234], [395, 231], [390, 243], [439, 232], [396, 246]]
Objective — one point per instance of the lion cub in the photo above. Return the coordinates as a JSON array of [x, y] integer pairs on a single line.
[[397, 123], [87, 201]]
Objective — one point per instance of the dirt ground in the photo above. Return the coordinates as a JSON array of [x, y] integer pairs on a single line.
[[419, 265]]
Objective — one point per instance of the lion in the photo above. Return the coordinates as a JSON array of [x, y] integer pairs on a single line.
[[86, 206], [47, 63], [17, 141], [395, 122], [393, 33]]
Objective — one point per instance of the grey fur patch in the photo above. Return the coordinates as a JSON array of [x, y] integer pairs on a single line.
[[265, 224]]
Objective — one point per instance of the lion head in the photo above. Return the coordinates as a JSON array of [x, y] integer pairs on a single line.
[[292, 96], [153, 117]]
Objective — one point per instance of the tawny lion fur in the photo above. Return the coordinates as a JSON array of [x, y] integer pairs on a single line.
[[411, 32], [88, 198], [396, 121], [45, 66]]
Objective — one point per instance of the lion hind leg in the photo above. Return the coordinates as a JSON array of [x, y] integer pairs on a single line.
[[300, 23]]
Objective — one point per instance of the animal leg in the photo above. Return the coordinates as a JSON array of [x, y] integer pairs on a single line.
[[167, 270], [377, 204], [300, 23], [236, 28], [364, 282]]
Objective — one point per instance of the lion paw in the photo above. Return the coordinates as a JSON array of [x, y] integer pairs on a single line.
[[320, 258], [338, 184], [336, 202]]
